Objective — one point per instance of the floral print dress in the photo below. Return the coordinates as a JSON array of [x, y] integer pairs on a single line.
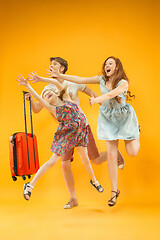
[[72, 130]]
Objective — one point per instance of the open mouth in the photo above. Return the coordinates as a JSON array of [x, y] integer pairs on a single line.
[[108, 70]]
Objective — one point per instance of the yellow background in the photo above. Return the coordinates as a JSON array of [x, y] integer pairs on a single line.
[[85, 33]]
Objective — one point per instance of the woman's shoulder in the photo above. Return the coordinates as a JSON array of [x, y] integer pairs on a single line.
[[101, 79], [122, 81]]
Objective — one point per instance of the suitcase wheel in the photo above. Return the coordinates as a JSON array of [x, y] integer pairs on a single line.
[[14, 178], [24, 177], [29, 176]]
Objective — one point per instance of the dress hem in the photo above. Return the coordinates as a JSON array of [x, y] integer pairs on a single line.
[[61, 154], [118, 139]]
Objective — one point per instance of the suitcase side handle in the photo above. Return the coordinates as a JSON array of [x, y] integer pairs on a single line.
[[15, 154], [25, 121]]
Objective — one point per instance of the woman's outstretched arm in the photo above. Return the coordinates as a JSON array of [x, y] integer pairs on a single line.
[[109, 95], [75, 79], [25, 83], [35, 78]]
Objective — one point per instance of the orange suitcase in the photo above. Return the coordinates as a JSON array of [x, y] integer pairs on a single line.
[[23, 151]]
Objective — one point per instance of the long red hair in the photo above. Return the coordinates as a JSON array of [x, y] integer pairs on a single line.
[[118, 76]]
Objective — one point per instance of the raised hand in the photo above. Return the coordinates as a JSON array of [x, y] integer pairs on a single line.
[[92, 99], [27, 96], [22, 81], [54, 72], [48, 72], [34, 77]]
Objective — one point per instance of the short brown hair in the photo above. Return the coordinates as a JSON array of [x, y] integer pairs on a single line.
[[62, 61]]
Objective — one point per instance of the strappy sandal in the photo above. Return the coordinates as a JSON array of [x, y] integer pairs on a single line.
[[72, 203], [111, 203], [97, 186], [25, 192]]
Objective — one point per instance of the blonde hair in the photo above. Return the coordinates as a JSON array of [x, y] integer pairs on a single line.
[[59, 94], [50, 89]]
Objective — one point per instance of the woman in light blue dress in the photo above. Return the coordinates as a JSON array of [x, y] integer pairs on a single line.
[[117, 119]]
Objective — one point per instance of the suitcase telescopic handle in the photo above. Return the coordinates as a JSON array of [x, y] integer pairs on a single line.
[[25, 121]]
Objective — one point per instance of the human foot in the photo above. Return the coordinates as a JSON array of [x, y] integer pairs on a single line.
[[72, 203], [27, 189], [97, 186], [120, 160], [114, 195]]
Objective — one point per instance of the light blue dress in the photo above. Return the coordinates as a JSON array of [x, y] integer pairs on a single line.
[[116, 120]]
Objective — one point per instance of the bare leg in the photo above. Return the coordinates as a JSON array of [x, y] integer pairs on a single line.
[[112, 150], [103, 157], [86, 162], [99, 158], [43, 169], [132, 147], [68, 178]]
